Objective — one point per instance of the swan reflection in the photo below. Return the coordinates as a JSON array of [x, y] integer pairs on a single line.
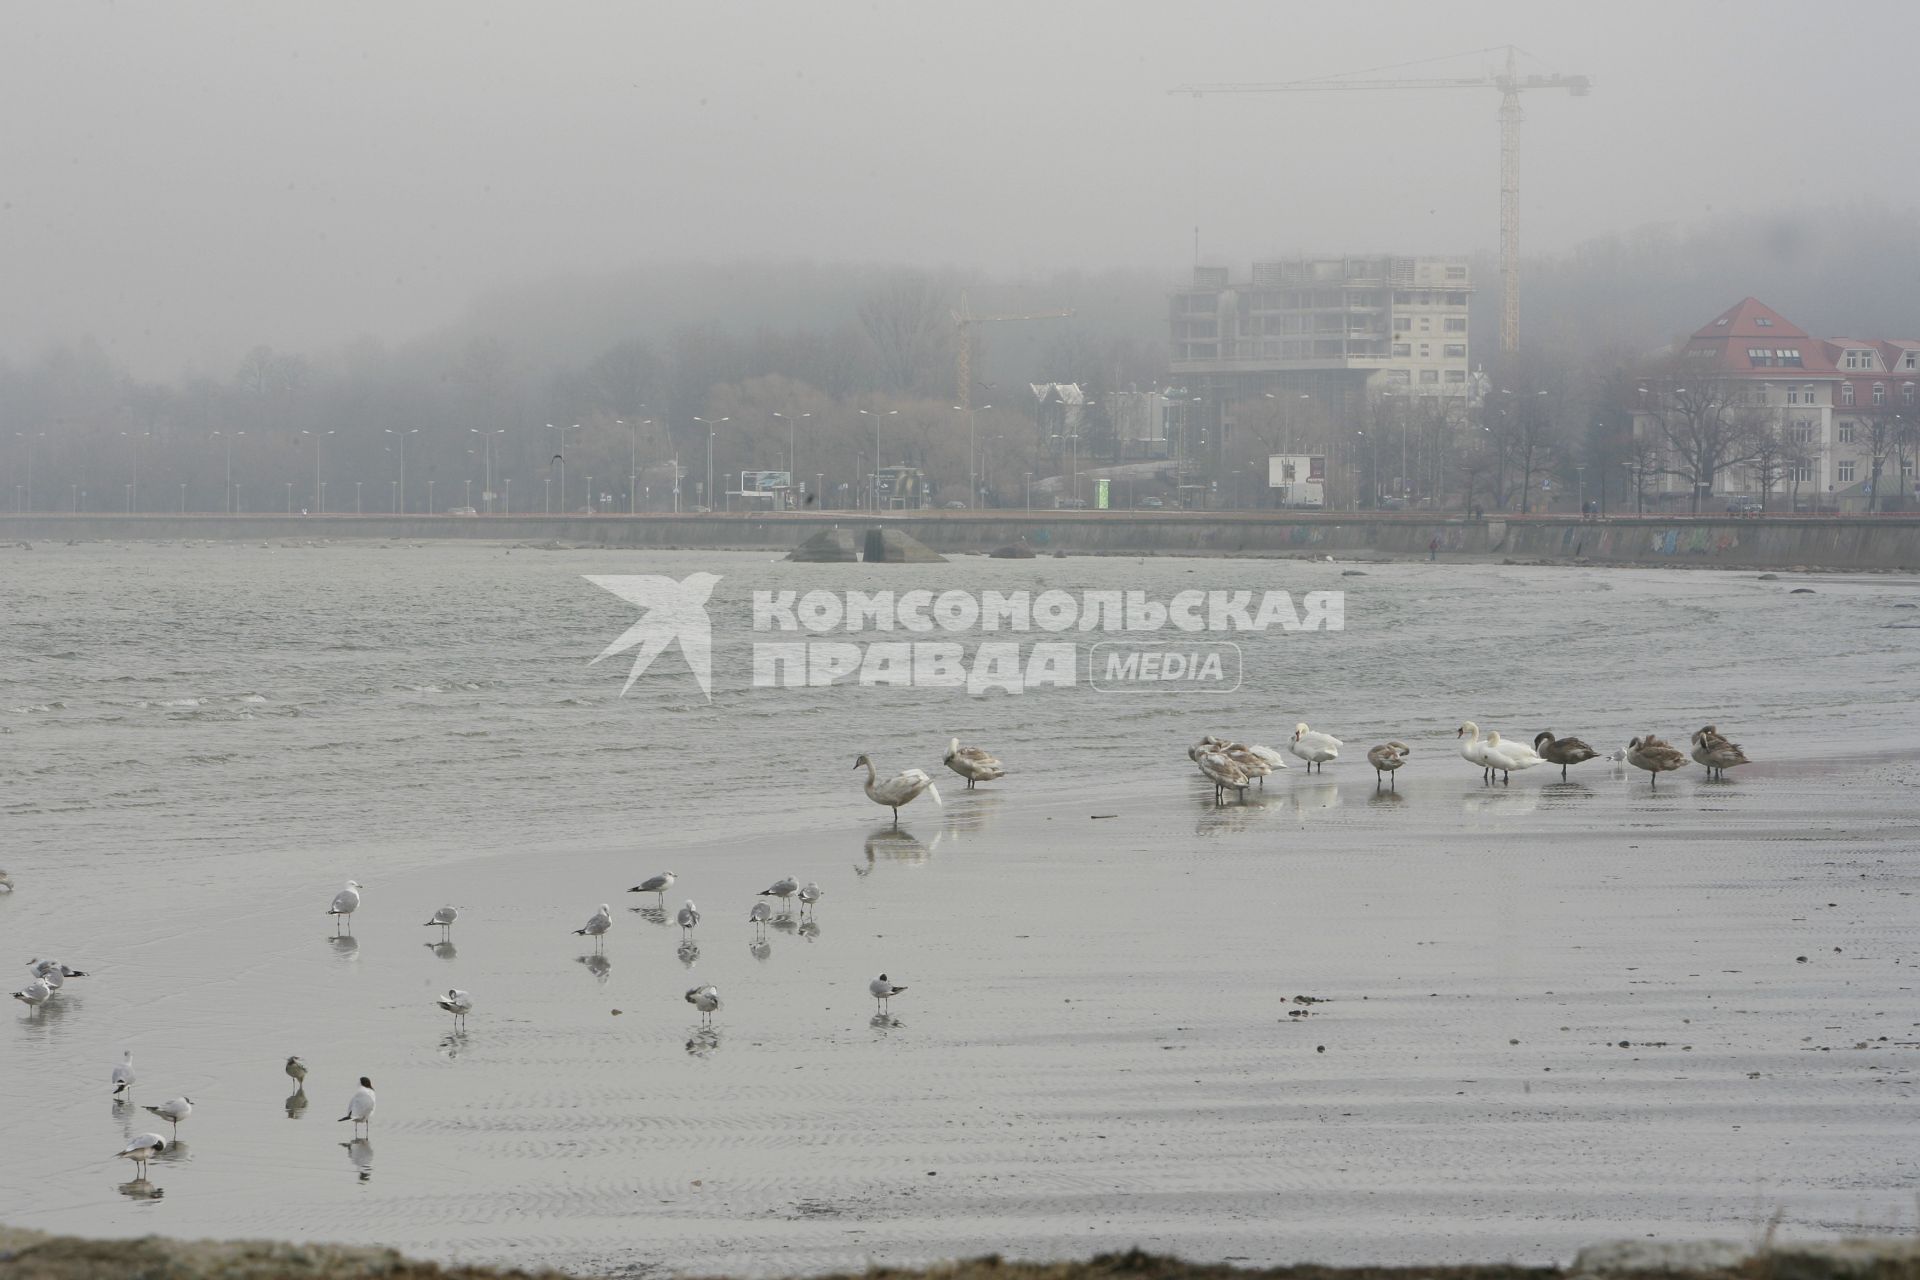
[[899, 846]]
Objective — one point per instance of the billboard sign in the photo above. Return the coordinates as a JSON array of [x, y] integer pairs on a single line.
[[1299, 479]]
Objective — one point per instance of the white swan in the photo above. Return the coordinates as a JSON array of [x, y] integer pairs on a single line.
[[972, 763], [1314, 748], [1508, 757], [902, 788], [1473, 749]]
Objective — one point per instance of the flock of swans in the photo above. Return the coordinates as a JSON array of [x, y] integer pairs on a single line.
[[1235, 766]]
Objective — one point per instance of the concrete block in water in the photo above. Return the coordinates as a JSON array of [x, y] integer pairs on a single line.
[[893, 546], [829, 546]]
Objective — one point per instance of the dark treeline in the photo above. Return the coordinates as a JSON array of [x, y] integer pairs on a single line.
[[763, 361]]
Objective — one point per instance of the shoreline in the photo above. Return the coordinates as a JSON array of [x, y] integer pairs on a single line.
[[33, 1255]]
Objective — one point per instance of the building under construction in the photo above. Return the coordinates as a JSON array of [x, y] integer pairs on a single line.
[[1332, 330]]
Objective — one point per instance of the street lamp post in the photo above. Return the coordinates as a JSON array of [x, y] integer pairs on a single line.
[[790, 463], [227, 439], [401, 441], [289, 497], [486, 458], [430, 507], [876, 415], [563, 467], [712, 425], [183, 497], [29, 438], [319, 485], [633, 456], [506, 505], [356, 496], [133, 489], [973, 472]]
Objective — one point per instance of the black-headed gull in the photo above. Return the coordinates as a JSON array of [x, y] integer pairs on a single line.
[[883, 990], [173, 1111], [706, 999], [142, 1148], [360, 1106], [123, 1077], [458, 1003]]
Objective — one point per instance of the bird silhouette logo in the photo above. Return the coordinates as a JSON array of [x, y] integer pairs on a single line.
[[670, 611]]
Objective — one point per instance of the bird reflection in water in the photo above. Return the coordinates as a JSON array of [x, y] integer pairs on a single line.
[[1500, 800], [453, 1043], [809, 929], [442, 950], [597, 964], [141, 1189], [970, 811], [885, 1022], [652, 915], [1564, 795], [360, 1153], [689, 953], [760, 949], [703, 1041], [1385, 798], [344, 945], [899, 846], [296, 1104]]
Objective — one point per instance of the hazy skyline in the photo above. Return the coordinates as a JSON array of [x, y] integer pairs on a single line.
[[187, 180]]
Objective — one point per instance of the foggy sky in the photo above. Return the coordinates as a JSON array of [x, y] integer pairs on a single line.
[[184, 180]]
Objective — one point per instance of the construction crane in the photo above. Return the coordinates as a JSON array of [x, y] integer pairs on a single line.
[[1510, 85], [964, 320]]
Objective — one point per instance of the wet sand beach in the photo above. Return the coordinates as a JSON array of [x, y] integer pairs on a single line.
[[1540, 1014]]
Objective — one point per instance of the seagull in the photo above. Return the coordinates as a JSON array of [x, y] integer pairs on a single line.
[[142, 1148], [759, 916], [360, 1106], [883, 991], [706, 999], [54, 972], [656, 884], [459, 1004], [902, 788], [972, 763], [345, 903], [123, 1077], [688, 917], [782, 889], [173, 1111], [6, 883], [444, 917], [298, 1071], [597, 926], [809, 894], [35, 993]]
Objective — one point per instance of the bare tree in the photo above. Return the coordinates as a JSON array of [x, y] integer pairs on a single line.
[[908, 320], [1697, 420], [1770, 451]]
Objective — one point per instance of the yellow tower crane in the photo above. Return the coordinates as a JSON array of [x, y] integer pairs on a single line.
[[1510, 85], [964, 320]]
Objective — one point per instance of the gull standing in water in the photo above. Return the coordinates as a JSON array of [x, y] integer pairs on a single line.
[[6, 883], [782, 889], [142, 1148], [689, 916], [297, 1072], [597, 925], [883, 991], [444, 918], [459, 1004], [360, 1107], [173, 1111], [706, 999], [902, 788], [759, 916], [345, 903], [54, 972], [35, 993], [123, 1078], [656, 884], [810, 893]]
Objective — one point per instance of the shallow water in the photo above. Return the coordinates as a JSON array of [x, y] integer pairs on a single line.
[[1099, 1046]]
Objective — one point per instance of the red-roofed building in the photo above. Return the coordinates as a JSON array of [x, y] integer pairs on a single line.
[[1837, 401]]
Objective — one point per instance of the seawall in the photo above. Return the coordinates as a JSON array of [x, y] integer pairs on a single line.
[[1879, 543]]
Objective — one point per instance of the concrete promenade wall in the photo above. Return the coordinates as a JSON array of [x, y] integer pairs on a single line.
[[1883, 542]]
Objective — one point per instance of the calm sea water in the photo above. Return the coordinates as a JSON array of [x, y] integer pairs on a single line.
[[1555, 1012]]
